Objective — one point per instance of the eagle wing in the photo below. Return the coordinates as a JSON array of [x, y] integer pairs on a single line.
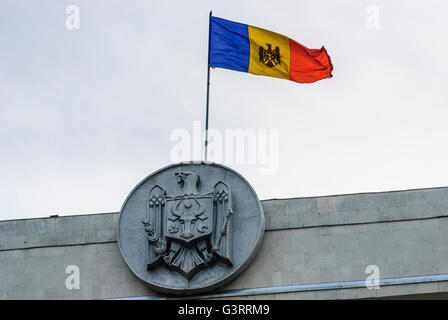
[[153, 226], [221, 238]]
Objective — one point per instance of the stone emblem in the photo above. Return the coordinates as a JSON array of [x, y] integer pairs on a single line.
[[190, 227]]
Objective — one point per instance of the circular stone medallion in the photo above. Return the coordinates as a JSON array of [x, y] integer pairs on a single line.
[[190, 227]]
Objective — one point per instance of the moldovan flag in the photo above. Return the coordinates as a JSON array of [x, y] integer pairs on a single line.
[[245, 48]]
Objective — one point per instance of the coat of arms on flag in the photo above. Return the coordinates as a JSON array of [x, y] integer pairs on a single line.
[[270, 57]]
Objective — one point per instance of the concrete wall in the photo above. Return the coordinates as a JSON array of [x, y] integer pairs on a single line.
[[318, 240]]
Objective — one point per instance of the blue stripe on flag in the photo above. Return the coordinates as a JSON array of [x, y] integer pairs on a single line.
[[229, 45]]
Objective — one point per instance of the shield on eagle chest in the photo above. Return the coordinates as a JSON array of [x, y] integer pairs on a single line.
[[189, 218]]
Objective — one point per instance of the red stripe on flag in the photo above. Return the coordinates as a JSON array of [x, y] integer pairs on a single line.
[[308, 65]]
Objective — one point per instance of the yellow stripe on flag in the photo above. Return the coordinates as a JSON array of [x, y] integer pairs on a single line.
[[269, 53]]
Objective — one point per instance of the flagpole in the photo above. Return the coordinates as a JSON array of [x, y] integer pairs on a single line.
[[208, 85]]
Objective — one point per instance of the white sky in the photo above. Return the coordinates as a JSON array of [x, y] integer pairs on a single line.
[[87, 114]]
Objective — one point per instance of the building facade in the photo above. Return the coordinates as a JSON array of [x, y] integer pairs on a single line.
[[313, 248]]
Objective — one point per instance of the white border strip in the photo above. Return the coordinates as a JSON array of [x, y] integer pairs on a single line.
[[300, 288]]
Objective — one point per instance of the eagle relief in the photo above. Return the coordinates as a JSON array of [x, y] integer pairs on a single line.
[[189, 231], [190, 227]]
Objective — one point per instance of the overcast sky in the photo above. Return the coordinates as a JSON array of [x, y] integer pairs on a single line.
[[87, 114]]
